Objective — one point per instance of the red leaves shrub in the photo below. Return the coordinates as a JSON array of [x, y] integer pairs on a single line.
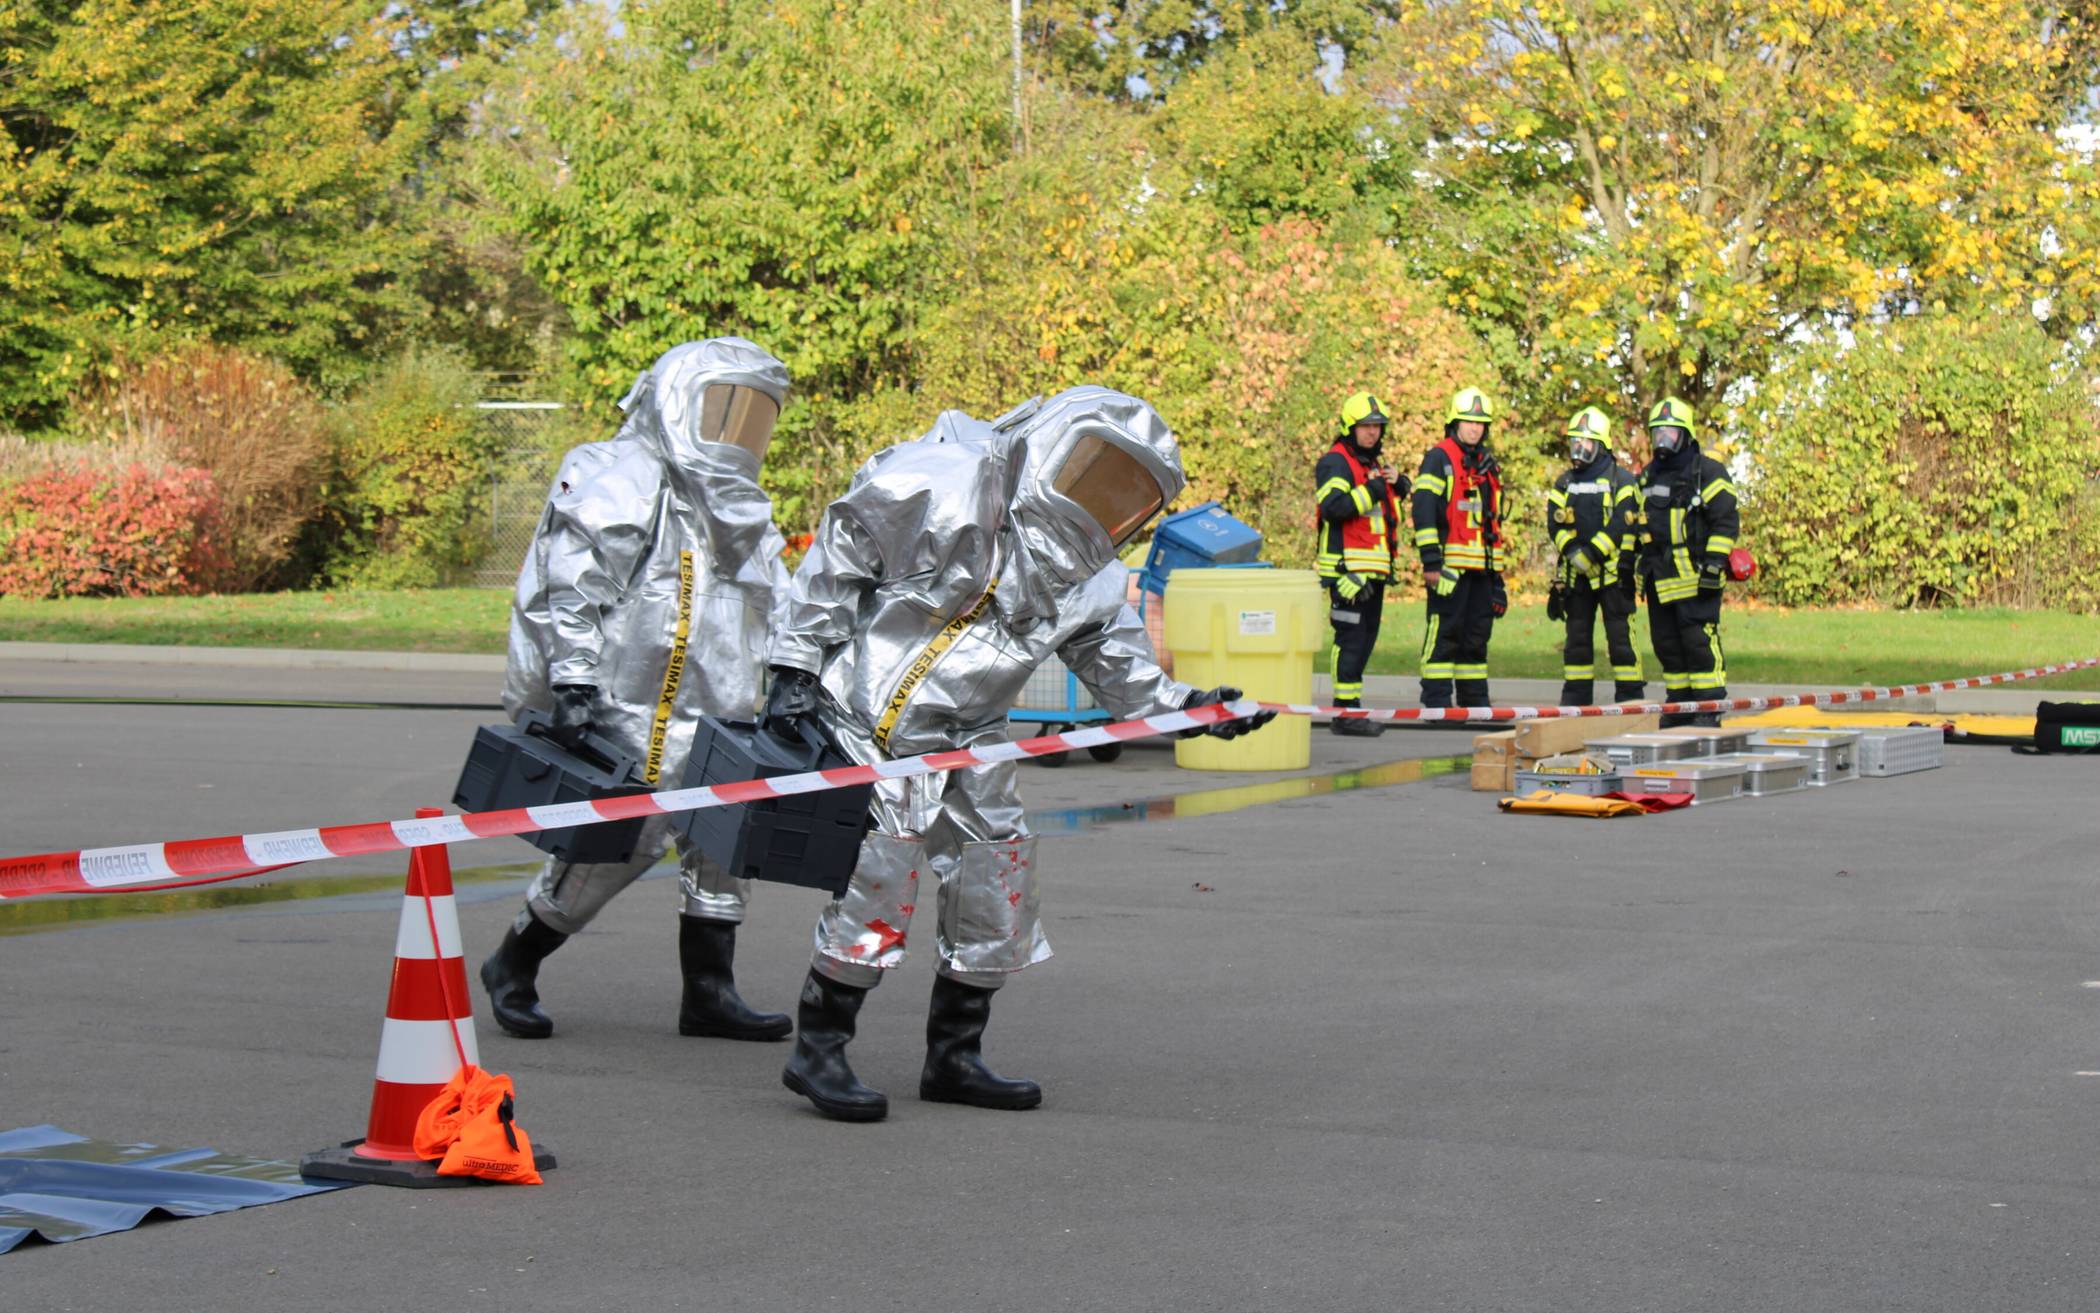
[[135, 532], [257, 430]]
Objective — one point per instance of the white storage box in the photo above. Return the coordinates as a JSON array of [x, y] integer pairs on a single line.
[[1891, 750], [1766, 773], [1711, 742], [1707, 779], [1833, 754], [1628, 750]]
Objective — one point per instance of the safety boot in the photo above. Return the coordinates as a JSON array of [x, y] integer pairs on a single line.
[[1705, 719], [1353, 728], [1576, 692], [1626, 690], [511, 976], [710, 1004], [817, 1069], [1436, 693], [955, 1070], [1473, 693]]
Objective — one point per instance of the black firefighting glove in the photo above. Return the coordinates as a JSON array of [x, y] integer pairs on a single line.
[[1486, 463], [1711, 576], [1224, 729], [572, 714], [792, 701], [1375, 485], [1498, 599], [1557, 601]]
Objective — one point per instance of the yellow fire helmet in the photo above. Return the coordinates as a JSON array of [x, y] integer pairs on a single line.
[[1362, 408], [1589, 422], [1470, 403], [1673, 412]]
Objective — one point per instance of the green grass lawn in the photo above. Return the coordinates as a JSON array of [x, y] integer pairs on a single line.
[[1772, 646], [1764, 646], [409, 620]]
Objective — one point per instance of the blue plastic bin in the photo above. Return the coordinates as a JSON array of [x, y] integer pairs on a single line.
[[1202, 535]]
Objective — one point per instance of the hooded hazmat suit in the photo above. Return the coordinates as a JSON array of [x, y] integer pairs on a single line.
[[645, 600], [951, 568]]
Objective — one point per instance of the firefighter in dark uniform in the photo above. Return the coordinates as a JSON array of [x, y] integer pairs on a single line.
[[1690, 526], [1458, 534], [1593, 518], [1359, 513]]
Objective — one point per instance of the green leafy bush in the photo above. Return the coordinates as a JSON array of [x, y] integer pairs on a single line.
[[1938, 461], [404, 500]]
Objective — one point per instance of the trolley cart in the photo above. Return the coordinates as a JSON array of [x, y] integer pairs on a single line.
[[1053, 701]]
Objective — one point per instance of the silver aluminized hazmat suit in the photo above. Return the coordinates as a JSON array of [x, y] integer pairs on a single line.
[[643, 604], [952, 568]]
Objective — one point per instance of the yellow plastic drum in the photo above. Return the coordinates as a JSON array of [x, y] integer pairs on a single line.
[[1257, 630]]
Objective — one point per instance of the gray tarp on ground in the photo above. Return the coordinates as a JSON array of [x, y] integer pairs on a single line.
[[57, 1186]]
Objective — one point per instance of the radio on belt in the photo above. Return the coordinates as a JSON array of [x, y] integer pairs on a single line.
[[515, 766], [806, 839]]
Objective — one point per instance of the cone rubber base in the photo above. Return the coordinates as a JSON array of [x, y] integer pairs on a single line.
[[415, 1174]]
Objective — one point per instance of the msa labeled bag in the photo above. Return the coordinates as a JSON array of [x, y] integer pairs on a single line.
[[2067, 727]]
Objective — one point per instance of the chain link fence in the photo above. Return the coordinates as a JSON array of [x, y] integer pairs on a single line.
[[522, 435]]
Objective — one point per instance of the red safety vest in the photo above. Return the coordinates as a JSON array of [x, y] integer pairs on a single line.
[[1469, 517], [1363, 545]]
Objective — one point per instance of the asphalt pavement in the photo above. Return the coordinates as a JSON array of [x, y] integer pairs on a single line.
[[1344, 1039]]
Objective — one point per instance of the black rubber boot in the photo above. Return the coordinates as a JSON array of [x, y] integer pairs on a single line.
[[817, 1070], [1473, 693], [1627, 691], [1706, 719], [511, 976], [1352, 728], [710, 1004], [1436, 693], [1576, 692], [955, 1070]]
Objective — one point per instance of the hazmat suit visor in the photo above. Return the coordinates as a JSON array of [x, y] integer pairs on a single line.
[[740, 416], [1109, 484]]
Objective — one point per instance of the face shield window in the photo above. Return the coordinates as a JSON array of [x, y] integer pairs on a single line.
[[1110, 485], [740, 416], [1667, 437], [1581, 451]]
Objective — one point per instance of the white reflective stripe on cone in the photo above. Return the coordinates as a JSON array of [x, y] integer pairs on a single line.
[[421, 1052], [413, 939]]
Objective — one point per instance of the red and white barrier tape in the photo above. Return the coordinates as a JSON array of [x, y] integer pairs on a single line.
[[147, 866]]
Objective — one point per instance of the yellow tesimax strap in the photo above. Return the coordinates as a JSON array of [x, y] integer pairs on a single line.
[[675, 671], [915, 673]]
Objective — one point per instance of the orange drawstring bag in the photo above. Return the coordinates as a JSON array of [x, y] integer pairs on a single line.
[[472, 1126]]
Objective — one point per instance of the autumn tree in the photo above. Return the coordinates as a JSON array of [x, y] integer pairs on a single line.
[[251, 171], [1639, 196], [784, 169]]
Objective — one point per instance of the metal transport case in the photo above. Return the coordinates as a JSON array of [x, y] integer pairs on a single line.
[[516, 766], [1766, 773], [1627, 750], [1833, 754], [1711, 741], [1893, 751], [1588, 773], [806, 839], [1706, 779]]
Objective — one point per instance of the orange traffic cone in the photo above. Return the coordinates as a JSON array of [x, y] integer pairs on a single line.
[[426, 1039]]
